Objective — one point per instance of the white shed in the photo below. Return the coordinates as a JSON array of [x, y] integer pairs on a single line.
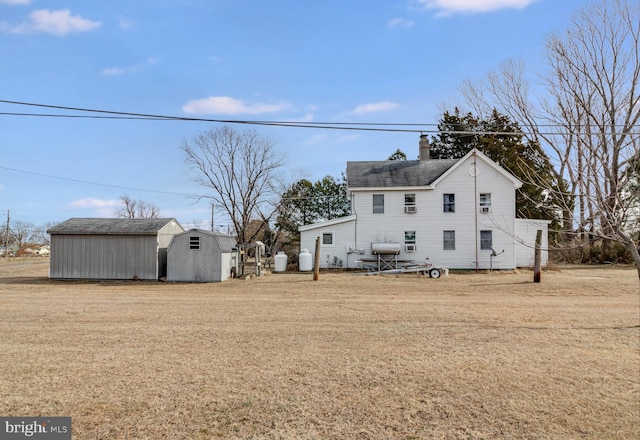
[[201, 256]]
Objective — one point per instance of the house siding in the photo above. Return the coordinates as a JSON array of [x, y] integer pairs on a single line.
[[467, 179], [430, 221], [343, 248], [526, 231]]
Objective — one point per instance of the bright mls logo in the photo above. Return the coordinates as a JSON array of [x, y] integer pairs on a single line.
[[40, 428]]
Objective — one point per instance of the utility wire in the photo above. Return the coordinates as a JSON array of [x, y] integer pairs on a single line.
[[358, 126], [52, 115], [98, 184]]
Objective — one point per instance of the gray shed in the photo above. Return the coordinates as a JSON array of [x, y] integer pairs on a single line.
[[111, 248], [201, 256]]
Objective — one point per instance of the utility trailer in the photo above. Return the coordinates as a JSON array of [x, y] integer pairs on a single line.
[[385, 261], [434, 271]]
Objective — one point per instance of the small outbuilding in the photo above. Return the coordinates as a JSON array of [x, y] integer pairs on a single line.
[[111, 248], [201, 256]]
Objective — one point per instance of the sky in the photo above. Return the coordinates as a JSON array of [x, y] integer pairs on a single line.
[[348, 62]]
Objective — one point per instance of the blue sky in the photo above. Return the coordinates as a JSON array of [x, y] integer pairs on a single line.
[[396, 61]]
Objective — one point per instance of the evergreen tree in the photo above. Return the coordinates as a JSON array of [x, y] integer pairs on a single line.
[[503, 141], [306, 202], [398, 155]]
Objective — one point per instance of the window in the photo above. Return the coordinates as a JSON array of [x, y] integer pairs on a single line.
[[449, 240], [410, 241], [485, 203], [486, 240], [378, 203], [449, 202], [410, 203], [194, 243], [327, 238]]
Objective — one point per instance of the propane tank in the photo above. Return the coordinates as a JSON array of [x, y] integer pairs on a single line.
[[280, 262], [305, 261]]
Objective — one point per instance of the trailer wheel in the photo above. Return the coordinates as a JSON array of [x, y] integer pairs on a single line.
[[434, 273]]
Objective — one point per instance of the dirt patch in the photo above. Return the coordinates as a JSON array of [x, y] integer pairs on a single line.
[[488, 355]]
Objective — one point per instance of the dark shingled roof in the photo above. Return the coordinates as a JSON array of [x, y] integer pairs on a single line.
[[110, 226], [399, 173]]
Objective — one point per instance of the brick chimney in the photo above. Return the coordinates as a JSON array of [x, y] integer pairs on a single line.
[[424, 148]]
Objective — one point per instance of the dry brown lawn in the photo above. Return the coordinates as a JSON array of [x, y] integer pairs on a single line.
[[468, 356]]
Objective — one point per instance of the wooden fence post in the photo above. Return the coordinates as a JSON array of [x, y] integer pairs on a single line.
[[537, 257], [316, 261]]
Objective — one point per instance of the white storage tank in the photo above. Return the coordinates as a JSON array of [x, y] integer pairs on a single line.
[[280, 262], [305, 261], [385, 248]]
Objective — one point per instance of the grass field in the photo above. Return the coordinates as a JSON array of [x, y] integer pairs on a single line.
[[468, 356]]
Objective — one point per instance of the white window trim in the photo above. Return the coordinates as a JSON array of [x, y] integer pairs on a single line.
[[373, 207], [333, 239], [454, 240], [481, 241]]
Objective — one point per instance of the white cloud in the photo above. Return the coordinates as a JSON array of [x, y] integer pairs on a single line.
[[450, 7], [113, 71], [15, 2], [96, 207], [90, 202], [374, 107], [136, 68], [348, 138], [307, 118], [400, 22], [317, 138], [230, 106], [54, 22], [324, 139]]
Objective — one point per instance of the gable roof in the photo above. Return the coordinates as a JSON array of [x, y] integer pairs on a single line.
[[412, 173], [110, 226], [479, 155], [226, 243], [399, 173]]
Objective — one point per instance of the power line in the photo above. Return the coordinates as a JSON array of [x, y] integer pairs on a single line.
[[99, 184], [357, 126], [52, 115]]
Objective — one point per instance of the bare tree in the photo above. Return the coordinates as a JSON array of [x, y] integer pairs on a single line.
[[136, 209], [41, 236], [22, 233], [593, 108], [239, 170]]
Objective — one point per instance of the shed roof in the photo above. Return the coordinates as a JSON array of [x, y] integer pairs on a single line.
[[110, 226], [398, 173], [226, 243]]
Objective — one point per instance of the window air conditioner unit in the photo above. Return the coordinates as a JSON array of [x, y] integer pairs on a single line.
[[410, 210], [485, 209], [410, 247]]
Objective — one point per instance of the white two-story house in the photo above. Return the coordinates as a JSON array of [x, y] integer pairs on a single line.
[[459, 213]]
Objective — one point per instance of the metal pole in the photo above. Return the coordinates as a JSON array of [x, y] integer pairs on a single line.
[[475, 208], [6, 238]]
